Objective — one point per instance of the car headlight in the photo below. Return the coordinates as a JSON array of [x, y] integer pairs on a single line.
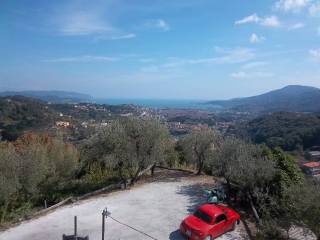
[[198, 235]]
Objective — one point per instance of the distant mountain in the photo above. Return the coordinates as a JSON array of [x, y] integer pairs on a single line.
[[52, 96], [293, 98]]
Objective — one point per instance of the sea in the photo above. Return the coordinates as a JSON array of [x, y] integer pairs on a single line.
[[160, 103]]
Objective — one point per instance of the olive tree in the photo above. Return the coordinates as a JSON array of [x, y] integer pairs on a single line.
[[247, 168], [130, 145], [198, 146], [242, 163], [33, 165], [301, 202], [9, 179], [44, 162]]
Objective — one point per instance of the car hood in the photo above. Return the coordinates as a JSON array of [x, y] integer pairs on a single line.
[[196, 224]]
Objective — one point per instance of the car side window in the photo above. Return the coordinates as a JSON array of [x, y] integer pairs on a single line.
[[221, 218]]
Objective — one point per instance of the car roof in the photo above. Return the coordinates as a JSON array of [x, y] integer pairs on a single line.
[[212, 209]]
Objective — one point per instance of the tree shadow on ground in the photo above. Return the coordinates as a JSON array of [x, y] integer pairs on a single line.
[[176, 235], [195, 194]]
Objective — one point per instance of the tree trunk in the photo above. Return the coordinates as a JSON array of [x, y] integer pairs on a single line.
[[135, 178], [4, 213], [123, 179], [200, 167], [255, 213], [228, 189], [199, 161], [152, 169]]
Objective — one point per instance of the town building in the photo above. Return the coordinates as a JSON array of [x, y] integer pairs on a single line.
[[62, 124], [313, 155], [311, 168]]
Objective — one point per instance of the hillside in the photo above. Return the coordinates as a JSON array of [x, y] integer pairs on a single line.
[[290, 131], [19, 113], [52, 96], [292, 98]]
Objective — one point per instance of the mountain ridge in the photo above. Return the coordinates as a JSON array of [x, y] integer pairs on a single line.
[[51, 96], [292, 98]]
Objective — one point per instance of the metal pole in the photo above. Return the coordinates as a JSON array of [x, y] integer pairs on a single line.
[[104, 214], [75, 228], [103, 225]]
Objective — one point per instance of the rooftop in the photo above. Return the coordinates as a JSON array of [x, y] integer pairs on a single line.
[[312, 164], [211, 209], [314, 153]]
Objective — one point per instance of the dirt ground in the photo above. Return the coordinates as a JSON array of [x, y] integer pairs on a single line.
[[155, 207]]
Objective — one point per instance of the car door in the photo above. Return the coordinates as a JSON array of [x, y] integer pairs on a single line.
[[219, 225]]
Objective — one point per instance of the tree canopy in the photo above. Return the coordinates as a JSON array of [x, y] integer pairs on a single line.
[[130, 145], [290, 131]]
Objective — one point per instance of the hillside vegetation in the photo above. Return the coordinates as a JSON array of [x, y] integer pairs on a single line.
[[290, 131], [37, 168], [18, 114]]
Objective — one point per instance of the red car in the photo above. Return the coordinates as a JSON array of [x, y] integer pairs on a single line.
[[209, 222]]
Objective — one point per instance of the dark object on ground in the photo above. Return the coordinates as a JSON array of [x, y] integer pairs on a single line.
[[75, 235], [216, 195], [72, 237]]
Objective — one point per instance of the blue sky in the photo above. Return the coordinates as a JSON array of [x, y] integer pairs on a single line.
[[177, 49]]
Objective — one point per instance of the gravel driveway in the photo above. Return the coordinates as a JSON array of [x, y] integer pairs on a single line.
[[155, 208]]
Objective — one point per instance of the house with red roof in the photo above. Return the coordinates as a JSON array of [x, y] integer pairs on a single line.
[[311, 168]]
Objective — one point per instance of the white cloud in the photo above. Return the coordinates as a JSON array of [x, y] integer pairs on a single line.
[[250, 75], [252, 65], [150, 69], [80, 19], [227, 56], [85, 58], [314, 9], [296, 26], [116, 36], [254, 38], [125, 36], [315, 53], [239, 75], [82, 23], [162, 25], [236, 55], [146, 60], [271, 21], [291, 5], [254, 18], [159, 24]]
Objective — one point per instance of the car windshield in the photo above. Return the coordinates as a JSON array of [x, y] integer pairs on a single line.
[[203, 216]]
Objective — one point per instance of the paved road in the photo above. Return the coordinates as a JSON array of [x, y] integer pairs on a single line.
[[156, 208]]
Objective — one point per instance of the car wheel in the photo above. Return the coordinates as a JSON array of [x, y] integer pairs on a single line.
[[208, 238]]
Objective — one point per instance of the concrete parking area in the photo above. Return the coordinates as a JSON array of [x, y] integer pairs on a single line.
[[155, 208]]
